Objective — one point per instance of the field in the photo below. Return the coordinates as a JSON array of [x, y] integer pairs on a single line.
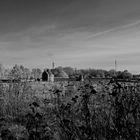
[[70, 110]]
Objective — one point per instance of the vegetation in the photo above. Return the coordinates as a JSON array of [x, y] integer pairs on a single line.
[[21, 72], [99, 110]]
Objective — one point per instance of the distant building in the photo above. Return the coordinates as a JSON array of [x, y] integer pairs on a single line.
[[51, 77], [80, 78], [47, 76]]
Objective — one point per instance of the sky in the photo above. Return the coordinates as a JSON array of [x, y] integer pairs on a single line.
[[76, 33]]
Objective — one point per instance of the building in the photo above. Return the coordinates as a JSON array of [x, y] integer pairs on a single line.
[[47, 76]]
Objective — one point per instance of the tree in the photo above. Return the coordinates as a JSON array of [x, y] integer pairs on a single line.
[[112, 73], [124, 75], [36, 73], [69, 70], [27, 73], [127, 74], [1, 71], [15, 73], [59, 72]]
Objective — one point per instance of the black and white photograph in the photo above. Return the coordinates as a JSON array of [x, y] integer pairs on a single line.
[[69, 69]]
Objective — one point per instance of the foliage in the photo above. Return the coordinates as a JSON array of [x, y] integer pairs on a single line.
[[86, 110], [36, 73], [59, 72], [124, 75]]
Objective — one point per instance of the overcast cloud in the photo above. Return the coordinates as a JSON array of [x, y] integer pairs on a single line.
[[77, 33]]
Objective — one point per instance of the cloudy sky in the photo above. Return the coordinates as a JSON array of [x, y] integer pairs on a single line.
[[77, 33]]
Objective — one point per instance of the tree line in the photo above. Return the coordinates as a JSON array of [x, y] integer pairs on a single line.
[[21, 72]]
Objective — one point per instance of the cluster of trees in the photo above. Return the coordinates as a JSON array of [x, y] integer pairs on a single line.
[[92, 73], [97, 73], [20, 72], [60, 72]]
